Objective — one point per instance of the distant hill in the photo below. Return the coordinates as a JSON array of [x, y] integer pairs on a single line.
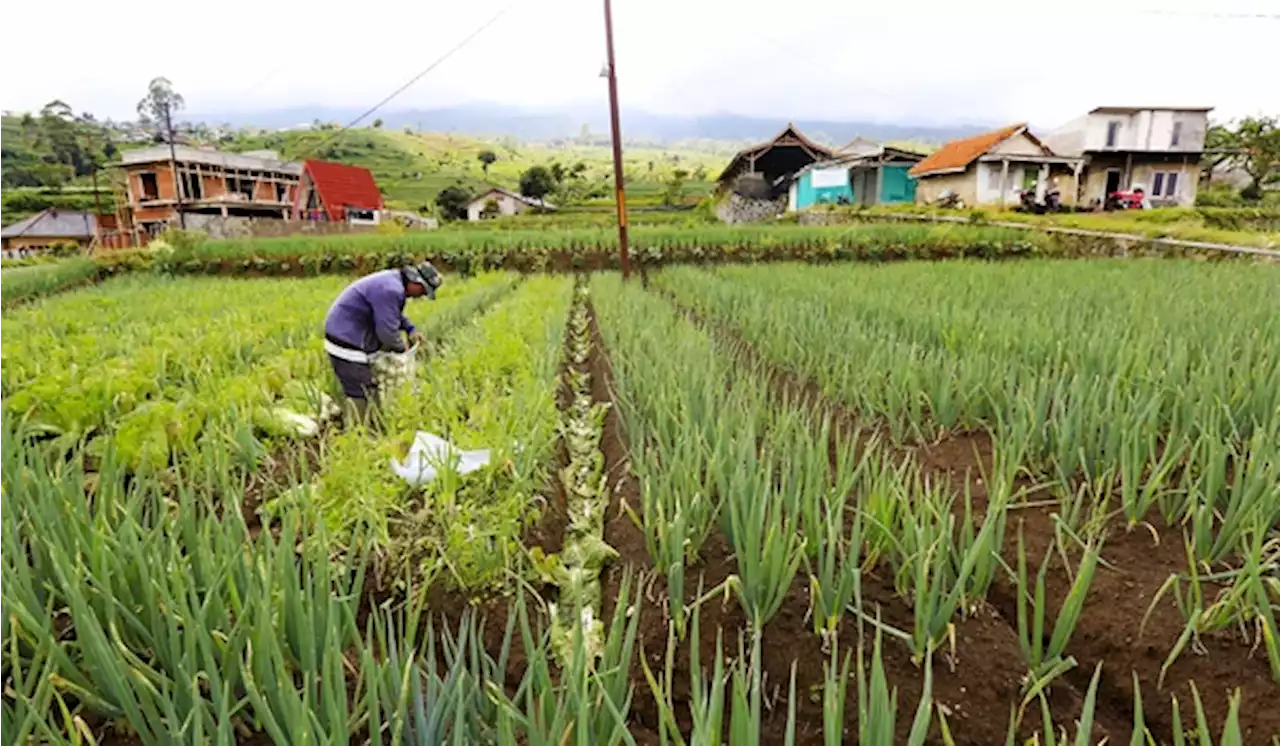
[[412, 168], [637, 125]]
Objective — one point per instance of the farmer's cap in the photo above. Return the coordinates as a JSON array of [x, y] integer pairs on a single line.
[[425, 275]]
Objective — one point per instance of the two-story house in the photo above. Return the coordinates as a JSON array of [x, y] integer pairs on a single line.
[[161, 189], [205, 182], [1125, 147]]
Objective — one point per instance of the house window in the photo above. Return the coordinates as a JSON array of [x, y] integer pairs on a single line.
[[1113, 134], [1177, 135], [1164, 184], [240, 186], [191, 186], [150, 188]]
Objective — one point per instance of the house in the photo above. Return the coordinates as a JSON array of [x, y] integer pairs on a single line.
[[860, 145], [994, 168], [206, 181], [48, 227], [338, 192], [769, 163], [1123, 147], [867, 175], [498, 202]]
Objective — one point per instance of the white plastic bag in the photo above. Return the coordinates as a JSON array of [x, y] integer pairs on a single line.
[[429, 453]]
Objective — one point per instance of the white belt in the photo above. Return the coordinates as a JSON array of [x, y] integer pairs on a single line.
[[345, 353]]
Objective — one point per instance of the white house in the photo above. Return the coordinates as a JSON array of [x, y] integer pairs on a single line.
[[500, 202], [1125, 147]]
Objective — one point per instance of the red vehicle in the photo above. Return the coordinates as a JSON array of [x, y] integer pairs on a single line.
[[1126, 200]]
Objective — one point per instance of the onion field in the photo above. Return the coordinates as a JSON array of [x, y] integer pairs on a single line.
[[957, 502]]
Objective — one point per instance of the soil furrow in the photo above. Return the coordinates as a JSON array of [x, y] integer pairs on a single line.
[[1108, 629], [954, 461], [974, 685]]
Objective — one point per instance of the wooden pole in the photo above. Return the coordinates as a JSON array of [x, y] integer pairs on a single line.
[[614, 122], [173, 166]]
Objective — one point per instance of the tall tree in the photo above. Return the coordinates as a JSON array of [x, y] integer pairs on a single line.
[[158, 107], [537, 182], [486, 158], [57, 122], [1259, 140], [452, 202]]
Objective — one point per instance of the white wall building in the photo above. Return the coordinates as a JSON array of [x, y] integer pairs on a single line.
[[1155, 148], [501, 203]]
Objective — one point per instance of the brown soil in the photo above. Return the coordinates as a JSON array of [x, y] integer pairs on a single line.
[[976, 685], [1110, 631], [1109, 628]]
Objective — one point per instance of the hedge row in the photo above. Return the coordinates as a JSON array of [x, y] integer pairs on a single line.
[[24, 283]]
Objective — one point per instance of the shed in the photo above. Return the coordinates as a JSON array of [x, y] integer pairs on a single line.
[[47, 227], [504, 203], [775, 159], [867, 176]]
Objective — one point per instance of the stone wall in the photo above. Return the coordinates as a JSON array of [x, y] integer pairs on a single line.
[[739, 209]]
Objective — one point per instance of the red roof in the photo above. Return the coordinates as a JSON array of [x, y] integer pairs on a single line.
[[341, 186], [958, 154]]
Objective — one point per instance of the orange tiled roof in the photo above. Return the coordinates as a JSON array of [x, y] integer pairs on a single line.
[[960, 153]]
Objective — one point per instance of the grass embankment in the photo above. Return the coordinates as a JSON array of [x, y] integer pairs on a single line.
[[1257, 227], [24, 283]]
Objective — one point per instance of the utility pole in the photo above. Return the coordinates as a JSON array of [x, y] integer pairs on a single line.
[[173, 164], [615, 124], [93, 174]]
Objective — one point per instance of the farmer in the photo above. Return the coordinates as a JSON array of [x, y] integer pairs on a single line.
[[368, 317]]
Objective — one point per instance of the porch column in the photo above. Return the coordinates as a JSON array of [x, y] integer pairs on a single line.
[[1042, 183], [1127, 184], [1004, 179], [224, 211], [875, 200], [1075, 180]]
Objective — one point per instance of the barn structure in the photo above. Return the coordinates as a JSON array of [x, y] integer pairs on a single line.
[[768, 163]]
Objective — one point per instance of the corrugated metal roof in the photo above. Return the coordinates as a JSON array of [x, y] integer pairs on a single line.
[[543, 204], [257, 161], [53, 224]]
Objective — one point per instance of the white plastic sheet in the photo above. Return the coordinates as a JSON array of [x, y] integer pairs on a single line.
[[431, 453]]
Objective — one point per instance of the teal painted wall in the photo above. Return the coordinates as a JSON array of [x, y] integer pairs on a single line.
[[897, 186], [807, 195]]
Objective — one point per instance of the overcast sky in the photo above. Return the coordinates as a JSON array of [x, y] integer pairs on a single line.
[[908, 61]]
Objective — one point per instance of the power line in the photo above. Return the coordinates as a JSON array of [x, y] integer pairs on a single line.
[[452, 50]]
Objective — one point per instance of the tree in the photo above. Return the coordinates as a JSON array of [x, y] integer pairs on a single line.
[[675, 187], [1259, 139], [537, 182], [452, 202], [377, 123], [486, 158], [158, 107]]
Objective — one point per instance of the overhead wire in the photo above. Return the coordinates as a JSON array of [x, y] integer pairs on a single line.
[[409, 83]]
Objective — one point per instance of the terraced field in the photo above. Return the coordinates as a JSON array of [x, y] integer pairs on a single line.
[[949, 502]]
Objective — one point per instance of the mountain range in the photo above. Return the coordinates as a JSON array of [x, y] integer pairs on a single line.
[[637, 125]]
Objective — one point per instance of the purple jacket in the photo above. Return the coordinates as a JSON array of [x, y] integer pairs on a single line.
[[369, 314]]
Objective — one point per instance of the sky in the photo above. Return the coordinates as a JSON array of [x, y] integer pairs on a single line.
[[930, 62]]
